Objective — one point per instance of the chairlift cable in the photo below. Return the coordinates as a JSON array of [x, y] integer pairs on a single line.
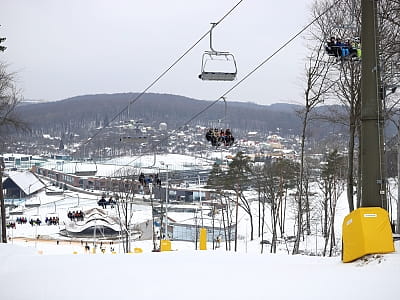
[[161, 75], [242, 80], [280, 48]]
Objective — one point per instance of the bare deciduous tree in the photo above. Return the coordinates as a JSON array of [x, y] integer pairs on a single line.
[[332, 185], [9, 99], [317, 71]]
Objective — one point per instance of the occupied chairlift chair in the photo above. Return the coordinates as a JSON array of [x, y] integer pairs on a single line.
[[77, 207], [137, 137], [214, 135], [35, 220], [353, 50], [210, 57], [52, 218]]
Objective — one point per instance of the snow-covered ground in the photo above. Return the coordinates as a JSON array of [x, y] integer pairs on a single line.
[[190, 274], [33, 268]]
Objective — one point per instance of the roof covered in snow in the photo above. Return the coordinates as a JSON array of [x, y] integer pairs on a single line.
[[161, 162], [26, 181]]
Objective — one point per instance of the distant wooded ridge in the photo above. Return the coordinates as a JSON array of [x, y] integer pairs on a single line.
[[89, 111]]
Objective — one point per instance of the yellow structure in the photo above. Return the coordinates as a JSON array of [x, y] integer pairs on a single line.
[[137, 250], [165, 245], [203, 239], [366, 230]]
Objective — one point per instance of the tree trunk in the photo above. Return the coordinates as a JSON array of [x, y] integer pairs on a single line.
[[325, 205], [350, 176], [274, 219], [251, 227], [307, 207], [224, 225], [262, 224], [236, 220], [2, 205], [283, 214], [259, 211], [300, 185]]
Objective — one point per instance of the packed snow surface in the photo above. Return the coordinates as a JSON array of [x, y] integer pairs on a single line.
[[55, 267], [191, 274]]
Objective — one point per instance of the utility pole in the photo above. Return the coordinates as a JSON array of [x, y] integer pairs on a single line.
[[372, 140]]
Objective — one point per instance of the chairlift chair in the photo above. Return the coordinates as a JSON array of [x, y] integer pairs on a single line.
[[214, 58], [34, 218], [33, 202], [70, 213], [354, 51], [217, 59], [137, 136], [218, 136], [75, 208], [80, 170], [133, 139], [51, 216]]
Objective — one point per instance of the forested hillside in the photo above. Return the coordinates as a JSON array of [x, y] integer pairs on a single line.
[[91, 111]]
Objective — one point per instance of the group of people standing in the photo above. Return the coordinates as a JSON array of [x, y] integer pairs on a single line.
[[343, 49]]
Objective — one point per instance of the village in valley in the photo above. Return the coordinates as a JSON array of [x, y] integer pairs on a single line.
[[57, 198]]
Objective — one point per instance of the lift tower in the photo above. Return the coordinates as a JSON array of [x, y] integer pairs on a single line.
[[367, 230], [372, 122]]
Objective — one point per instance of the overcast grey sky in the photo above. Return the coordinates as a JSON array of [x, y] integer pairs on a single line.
[[65, 48]]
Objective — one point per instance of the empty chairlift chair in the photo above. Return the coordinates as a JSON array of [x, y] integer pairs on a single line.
[[217, 65]]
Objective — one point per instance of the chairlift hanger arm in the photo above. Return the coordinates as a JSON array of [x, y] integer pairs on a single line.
[[212, 50], [212, 27]]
